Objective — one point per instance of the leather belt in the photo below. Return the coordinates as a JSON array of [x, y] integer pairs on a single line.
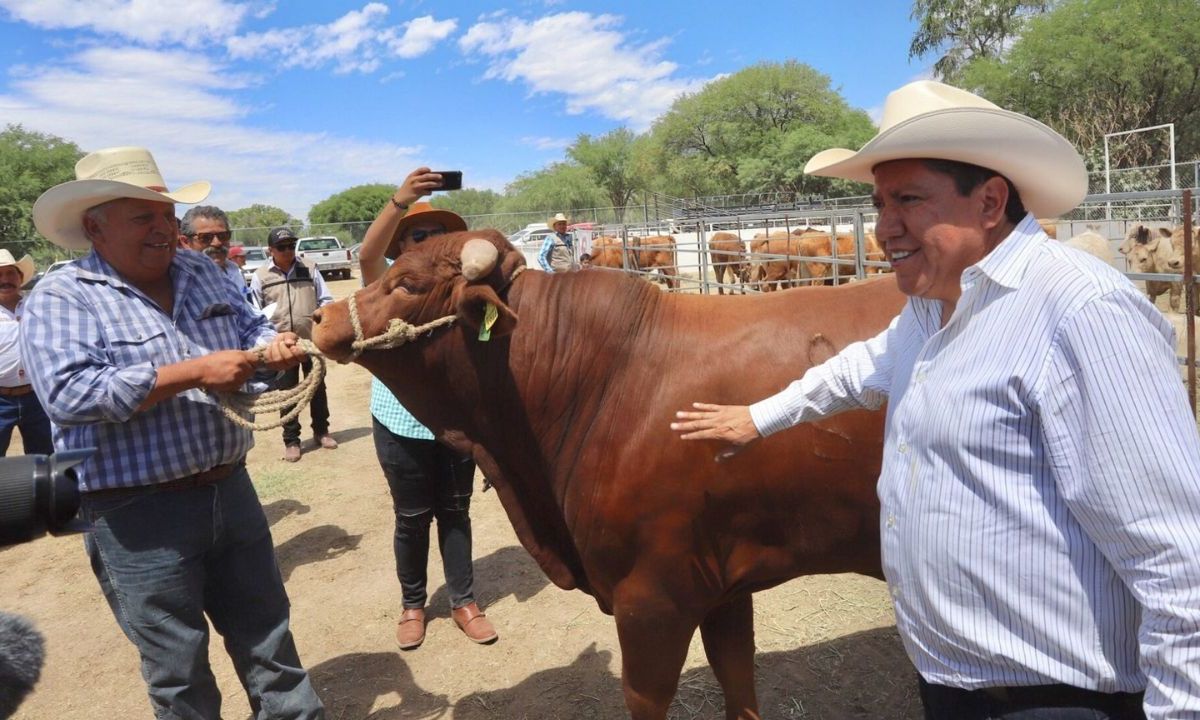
[[16, 391], [208, 477]]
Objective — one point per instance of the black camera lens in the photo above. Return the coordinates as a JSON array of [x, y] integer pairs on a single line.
[[39, 494]]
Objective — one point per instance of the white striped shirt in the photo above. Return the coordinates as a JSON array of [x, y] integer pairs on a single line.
[[1040, 487]]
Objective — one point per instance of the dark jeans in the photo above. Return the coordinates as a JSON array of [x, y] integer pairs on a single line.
[[428, 480], [26, 413], [167, 558], [1039, 702], [319, 407]]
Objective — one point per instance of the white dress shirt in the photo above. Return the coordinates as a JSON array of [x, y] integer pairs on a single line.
[[1040, 487], [12, 372]]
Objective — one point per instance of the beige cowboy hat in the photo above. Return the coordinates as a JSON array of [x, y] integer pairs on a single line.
[[928, 119], [559, 217], [109, 174], [421, 212], [24, 266]]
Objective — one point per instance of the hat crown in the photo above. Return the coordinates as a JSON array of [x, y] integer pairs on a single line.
[[926, 96], [132, 165]]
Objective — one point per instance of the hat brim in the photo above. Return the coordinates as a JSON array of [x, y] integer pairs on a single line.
[[451, 221], [24, 266], [58, 213], [1044, 167]]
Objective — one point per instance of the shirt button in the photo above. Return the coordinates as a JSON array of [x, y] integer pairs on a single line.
[[891, 520], [920, 376], [903, 448]]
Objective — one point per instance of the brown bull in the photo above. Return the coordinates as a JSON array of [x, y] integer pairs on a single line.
[[567, 410], [608, 251], [728, 254], [659, 252]]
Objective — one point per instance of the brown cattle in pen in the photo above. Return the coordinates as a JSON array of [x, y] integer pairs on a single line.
[[658, 251], [566, 407], [728, 254]]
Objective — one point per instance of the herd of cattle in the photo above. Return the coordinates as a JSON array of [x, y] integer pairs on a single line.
[[806, 256]]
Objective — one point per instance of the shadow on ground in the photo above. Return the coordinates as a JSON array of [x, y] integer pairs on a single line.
[[507, 571], [323, 542], [864, 676]]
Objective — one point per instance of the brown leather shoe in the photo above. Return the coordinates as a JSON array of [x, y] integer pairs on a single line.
[[471, 620], [410, 632], [326, 441], [291, 453]]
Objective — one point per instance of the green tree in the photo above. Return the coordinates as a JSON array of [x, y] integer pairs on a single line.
[[1091, 67], [611, 159], [30, 163], [754, 131], [963, 30], [560, 187], [251, 225], [355, 208], [467, 202]]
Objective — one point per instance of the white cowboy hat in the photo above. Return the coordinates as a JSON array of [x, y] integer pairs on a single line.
[[928, 119], [24, 265], [559, 217], [109, 174]]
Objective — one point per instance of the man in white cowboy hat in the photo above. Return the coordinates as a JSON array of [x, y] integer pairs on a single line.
[[1040, 487], [19, 408], [128, 351], [558, 249]]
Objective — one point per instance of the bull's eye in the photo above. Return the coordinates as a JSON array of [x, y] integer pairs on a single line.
[[406, 286]]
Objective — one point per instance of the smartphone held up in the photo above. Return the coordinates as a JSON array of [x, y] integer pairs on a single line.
[[451, 179]]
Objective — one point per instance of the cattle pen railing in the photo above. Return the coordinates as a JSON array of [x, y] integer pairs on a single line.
[[696, 262]]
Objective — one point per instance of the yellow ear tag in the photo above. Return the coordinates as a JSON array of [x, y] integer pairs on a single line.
[[490, 315]]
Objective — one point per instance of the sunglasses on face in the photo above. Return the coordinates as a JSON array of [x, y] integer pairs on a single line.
[[208, 237], [419, 235], [285, 247]]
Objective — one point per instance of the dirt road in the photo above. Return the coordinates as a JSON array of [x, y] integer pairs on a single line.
[[827, 647]]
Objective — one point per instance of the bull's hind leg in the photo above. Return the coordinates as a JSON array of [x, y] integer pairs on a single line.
[[654, 644], [728, 634]]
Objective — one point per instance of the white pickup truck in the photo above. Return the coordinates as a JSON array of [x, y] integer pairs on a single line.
[[327, 254]]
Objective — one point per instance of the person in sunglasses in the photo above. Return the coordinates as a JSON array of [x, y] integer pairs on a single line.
[[427, 479], [205, 228], [296, 288]]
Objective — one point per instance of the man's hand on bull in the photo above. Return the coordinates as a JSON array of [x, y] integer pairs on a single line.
[[729, 423], [420, 182]]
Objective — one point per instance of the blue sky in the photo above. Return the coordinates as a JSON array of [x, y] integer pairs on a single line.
[[285, 103]]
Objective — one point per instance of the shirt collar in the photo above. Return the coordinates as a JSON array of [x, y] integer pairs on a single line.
[[1005, 265]]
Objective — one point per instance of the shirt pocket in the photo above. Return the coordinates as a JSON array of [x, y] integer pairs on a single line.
[[133, 344]]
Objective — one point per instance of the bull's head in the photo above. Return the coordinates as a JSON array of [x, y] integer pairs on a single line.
[[459, 275]]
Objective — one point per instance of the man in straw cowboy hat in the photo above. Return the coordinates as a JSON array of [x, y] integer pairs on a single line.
[[1040, 487], [127, 351], [558, 249], [427, 479], [19, 408]]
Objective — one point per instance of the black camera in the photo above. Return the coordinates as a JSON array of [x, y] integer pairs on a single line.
[[451, 179], [39, 494]]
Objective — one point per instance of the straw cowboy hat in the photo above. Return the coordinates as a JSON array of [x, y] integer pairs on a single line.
[[422, 212], [556, 219], [109, 174], [24, 265], [928, 119]]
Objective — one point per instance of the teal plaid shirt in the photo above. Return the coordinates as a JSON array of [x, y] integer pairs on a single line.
[[388, 410]]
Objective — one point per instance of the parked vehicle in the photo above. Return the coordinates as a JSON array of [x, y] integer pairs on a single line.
[[327, 254], [256, 257], [531, 235]]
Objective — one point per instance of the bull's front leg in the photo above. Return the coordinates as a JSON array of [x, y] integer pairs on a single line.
[[654, 638], [728, 633]]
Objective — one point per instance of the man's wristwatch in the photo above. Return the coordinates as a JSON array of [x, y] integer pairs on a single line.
[[399, 205]]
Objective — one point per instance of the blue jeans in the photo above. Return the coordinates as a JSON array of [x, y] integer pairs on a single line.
[[164, 560], [428, 480], [26, 413]]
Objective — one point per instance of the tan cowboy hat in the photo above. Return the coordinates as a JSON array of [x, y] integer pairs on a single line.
[[556, 219], [928, 119], [424, 212], [109, 174], [24, 266]]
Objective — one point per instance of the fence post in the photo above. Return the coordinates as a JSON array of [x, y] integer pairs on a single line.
[[1189, 298]]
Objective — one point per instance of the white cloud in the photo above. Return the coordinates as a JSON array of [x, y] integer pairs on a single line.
[[356, 42], [583, 57], [420, 35], [187, 22], [546, 143], [120, 96]]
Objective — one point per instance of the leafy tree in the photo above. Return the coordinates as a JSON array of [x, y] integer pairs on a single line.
[[355, 208], [251, 225], [1091, 67], [611, 159], [30, 163], [754, 131], [467, 202], [560, 187], [967, 30]]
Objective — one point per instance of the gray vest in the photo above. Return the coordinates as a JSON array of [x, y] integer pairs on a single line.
[[296, 295]]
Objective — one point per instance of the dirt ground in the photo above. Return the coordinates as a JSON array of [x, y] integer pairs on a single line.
[[827, 645]]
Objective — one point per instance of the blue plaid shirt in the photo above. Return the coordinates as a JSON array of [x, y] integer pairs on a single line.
[[92, 342]]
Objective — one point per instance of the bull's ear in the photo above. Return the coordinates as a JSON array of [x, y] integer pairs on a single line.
[[473, 310]]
